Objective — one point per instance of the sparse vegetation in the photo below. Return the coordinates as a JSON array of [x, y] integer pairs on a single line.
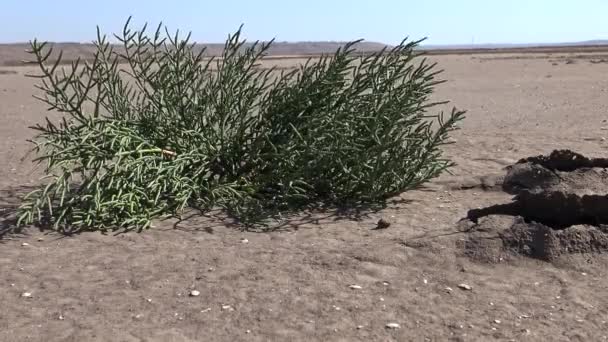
[[173, 129]]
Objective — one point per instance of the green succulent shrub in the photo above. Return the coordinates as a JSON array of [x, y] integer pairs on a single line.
[[153, 126]]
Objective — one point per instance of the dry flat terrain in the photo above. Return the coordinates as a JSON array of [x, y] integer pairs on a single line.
[[293, 284]]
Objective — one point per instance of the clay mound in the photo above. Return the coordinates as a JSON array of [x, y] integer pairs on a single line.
[[496, 238], [565, 160], [560, 207]]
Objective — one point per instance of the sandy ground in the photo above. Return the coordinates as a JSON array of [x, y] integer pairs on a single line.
[[293, 284]]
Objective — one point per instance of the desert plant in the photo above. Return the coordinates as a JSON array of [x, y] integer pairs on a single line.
[[153, 126]]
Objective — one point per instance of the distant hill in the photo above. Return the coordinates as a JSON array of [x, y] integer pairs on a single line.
[[514, 46], [15, 54]]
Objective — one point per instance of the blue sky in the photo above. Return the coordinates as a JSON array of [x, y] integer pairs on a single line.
[[387, 21]]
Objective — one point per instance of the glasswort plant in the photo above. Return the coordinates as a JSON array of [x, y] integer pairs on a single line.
[[153, 126]]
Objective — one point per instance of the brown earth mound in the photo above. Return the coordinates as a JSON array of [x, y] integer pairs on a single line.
[[560, 207]]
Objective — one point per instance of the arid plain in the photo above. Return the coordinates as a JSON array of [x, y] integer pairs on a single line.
[[294, 284]]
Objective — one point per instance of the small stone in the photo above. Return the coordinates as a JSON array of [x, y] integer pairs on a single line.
[[40, 239], [138, 316], [227, 307], [26, 295], [206, 310], [382, 224], [381, 299], [61, 318], [497, 321], [248, 331], [195, 293], [355, 287], [244, 241], [149, 300], [449, 289], [583, 274], [359, 327], [465, 287], [425, 281], [25, 244], [392, 326], [385, 283]]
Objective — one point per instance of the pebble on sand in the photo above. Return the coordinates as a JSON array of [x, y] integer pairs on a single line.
[[195, 293], [355, 287], [393, 326], [465, 287], [26, 295]]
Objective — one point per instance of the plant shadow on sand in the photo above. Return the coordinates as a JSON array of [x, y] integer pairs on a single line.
[[195, 219], [10, 199]]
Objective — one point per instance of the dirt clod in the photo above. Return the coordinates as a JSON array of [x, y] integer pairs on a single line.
[[560, 207], [383, 224]]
